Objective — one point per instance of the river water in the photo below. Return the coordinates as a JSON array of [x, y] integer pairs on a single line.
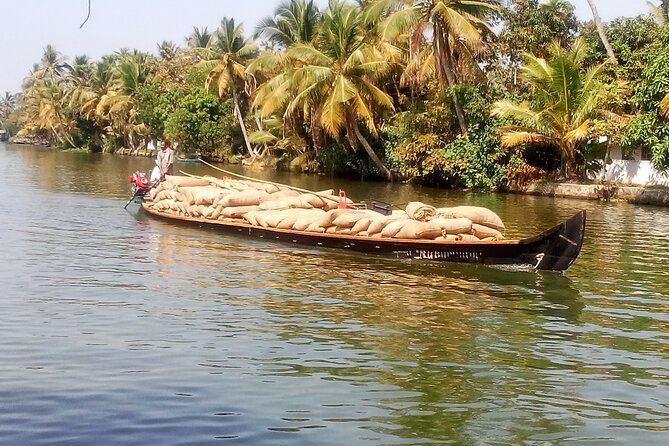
[[119, 329]]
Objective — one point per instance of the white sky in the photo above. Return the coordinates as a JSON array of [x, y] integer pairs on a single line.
[[28, 25]]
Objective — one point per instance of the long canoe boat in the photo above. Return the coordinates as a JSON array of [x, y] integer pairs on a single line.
[[554, 250]]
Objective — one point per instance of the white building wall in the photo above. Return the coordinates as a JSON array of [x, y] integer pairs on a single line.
[[638, 173]]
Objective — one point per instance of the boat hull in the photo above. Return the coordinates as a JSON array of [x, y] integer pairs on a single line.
[[553, 250]]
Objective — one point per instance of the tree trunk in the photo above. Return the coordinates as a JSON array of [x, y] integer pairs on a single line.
[[238, 112], [442, 52], [601, 31], [375, 159]]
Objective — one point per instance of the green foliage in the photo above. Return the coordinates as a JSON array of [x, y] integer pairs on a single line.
[[154, 104], [653, 83], [201, 122], [628, 36], [424, 144], [532, 26], [648, 129]]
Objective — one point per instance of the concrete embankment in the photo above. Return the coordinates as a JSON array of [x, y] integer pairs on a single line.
[[631, 194]]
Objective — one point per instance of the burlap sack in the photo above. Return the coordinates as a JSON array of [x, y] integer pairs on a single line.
[[249, 197], [167, 185], [418, 230], [478, 215], [162, 195], [394, 227], [313, 200], [315, 228], [188, 192], [290, 216], [349, 219], [361, 225], [453, 225], [239, 185], [175, 180], [381, 221], [153, 192], [300, 219], [468, 238], [280, 194], [273, 218], [250, 217], [270, 188], [237, 211], [306, 218], [449, 238], [215, 214], [204, 195], [420, 211], [218, 182], [336, 230], [484, 232]]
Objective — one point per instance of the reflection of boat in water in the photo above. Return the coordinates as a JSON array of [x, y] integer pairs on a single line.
[[556, 249]]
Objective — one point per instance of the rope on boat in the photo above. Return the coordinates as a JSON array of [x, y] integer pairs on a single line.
[[298, 189]]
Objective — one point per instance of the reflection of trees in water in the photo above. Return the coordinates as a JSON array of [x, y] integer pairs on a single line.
[[447, 343], [80, 172]]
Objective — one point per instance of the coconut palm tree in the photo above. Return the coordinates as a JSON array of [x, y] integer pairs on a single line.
[[601, 31], [294, 21], [201, 43], [335, 78], [457, 26], [7, 104], [52, 65], [117, 105], [167, 50], [200, 38], [234, 51], [568, 102]]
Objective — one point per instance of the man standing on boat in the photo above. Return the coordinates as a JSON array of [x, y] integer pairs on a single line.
[[165, 160]]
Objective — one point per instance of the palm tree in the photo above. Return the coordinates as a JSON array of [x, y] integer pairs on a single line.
[[602, 31], [567, 103], [201, 43], [200, 38], [229, 73], [456, 25], [117, 105], [335, 79], [294, 21], [7, 104], [52, 65], [167, 50]]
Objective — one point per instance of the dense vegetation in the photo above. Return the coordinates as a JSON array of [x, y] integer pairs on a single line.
[[453, 92]]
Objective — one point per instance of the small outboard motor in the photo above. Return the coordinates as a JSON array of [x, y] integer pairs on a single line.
[[140, 184]]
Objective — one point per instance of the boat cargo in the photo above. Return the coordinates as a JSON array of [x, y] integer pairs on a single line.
[[280, 213]]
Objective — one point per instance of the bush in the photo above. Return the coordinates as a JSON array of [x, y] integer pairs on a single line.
[[648, 129], [201, 122], [423, 144]]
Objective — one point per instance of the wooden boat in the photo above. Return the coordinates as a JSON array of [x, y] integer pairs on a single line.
[[555, 249]]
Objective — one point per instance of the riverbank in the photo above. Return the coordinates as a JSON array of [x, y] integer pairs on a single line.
[[637, 195], [652, 196]]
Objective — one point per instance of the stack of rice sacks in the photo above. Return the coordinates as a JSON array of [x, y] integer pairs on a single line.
[[272, 206]]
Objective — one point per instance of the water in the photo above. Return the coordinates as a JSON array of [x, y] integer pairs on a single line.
[[119, 329]]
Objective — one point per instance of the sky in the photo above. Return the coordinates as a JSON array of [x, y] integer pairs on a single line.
[[29, 25]]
